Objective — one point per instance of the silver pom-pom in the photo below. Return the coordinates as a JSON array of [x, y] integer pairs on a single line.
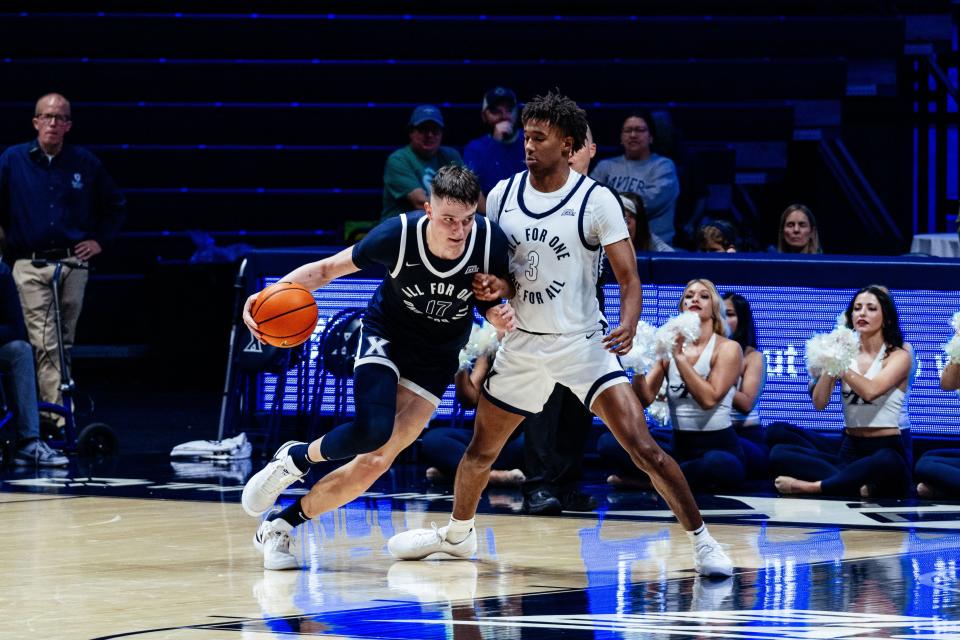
[[832, 353], [643, 354], [953, 349], [483, 342], [659, 410], [687, 324]]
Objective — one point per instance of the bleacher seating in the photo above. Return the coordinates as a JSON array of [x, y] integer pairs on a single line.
[[281, 121]]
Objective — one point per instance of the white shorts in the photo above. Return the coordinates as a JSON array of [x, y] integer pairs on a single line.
[[528, 366]]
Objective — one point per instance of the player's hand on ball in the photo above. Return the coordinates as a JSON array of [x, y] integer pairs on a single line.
[[502, 318], [248, 317], [620, 340], [488, 287]]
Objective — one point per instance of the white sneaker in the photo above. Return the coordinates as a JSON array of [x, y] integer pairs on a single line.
[[417, 544], [711, 561], [263, 531], [277, 547], [266, 485]]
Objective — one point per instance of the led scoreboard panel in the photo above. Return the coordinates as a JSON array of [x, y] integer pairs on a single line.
[[786, 315]]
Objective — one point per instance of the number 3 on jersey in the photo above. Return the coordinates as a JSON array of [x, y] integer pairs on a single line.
[[533, 261]]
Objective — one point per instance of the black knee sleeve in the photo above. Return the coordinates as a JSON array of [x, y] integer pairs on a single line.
[[375, 397]]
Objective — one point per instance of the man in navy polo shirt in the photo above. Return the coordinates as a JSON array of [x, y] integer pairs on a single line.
[[56, 202]]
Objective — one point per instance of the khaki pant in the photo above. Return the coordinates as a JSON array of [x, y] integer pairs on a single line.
[[36, 297]]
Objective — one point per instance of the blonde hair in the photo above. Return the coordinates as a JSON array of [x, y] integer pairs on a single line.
[[718, 312], [813, 244]]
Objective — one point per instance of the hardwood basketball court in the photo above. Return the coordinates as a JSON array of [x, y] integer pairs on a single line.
[[144, 555]]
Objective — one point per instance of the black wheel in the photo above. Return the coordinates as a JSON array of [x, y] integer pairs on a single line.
[[97, 439]]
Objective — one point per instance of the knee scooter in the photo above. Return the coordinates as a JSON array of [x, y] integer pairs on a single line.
[[96, 438]]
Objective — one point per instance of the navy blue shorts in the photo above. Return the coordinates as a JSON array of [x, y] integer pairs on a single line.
[[425, 371]]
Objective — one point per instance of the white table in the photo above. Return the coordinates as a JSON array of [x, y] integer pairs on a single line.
[[944, 245]]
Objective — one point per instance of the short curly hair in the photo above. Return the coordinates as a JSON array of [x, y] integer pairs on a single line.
[[561, 112]]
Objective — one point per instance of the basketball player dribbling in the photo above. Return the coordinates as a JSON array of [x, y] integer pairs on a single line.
[[557, 223], [410, 338]]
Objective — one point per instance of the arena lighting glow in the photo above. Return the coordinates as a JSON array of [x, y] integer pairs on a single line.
[[785, 317]]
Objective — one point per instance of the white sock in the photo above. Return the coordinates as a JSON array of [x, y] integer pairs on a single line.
[[458, 530], [700, 535]]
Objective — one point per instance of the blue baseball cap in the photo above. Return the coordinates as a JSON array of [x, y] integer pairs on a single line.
[[499, 95], [425, 113]]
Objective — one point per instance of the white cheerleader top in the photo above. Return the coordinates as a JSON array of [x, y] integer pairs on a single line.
[[883, 411], [685, 413]]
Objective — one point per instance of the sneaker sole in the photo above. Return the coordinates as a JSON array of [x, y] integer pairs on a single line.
[[284, 564], [435, 554]]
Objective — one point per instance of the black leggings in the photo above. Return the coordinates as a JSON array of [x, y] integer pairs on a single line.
[[614, 456], [786, 433], [375, 398], [880, 462], [940, 469], [443, 447], [708, 459], [756, 453]]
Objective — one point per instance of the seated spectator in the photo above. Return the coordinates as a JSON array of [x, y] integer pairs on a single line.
[[753, 377], [717, 236], [499, 154], [409, 171], [875, 453], [442, 447], [798, 231], [16, 361], [581, 158], [641, 171], [635, 215], [701, 384], [939, 470]]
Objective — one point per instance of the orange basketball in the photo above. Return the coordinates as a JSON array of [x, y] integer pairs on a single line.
[[285, 313]]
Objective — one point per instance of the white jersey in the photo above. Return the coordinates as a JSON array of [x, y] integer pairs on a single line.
[[556, 240]]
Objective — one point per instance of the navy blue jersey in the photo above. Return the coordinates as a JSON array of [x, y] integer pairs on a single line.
[[426, 299]]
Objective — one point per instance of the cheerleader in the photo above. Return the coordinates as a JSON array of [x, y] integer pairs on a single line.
[[874, 454], [701, 384], [939, 471], [753, 376]]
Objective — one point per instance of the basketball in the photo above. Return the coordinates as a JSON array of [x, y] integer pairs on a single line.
[[286, 314]]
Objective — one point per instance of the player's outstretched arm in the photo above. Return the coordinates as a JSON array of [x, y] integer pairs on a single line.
[[318, 274], [312, 276], [623, 261]]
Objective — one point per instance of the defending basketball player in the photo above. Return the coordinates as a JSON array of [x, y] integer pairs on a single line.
[[557, 222], [411, 334]]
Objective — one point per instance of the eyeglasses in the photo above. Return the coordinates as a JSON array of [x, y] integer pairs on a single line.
[[50, 118]]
